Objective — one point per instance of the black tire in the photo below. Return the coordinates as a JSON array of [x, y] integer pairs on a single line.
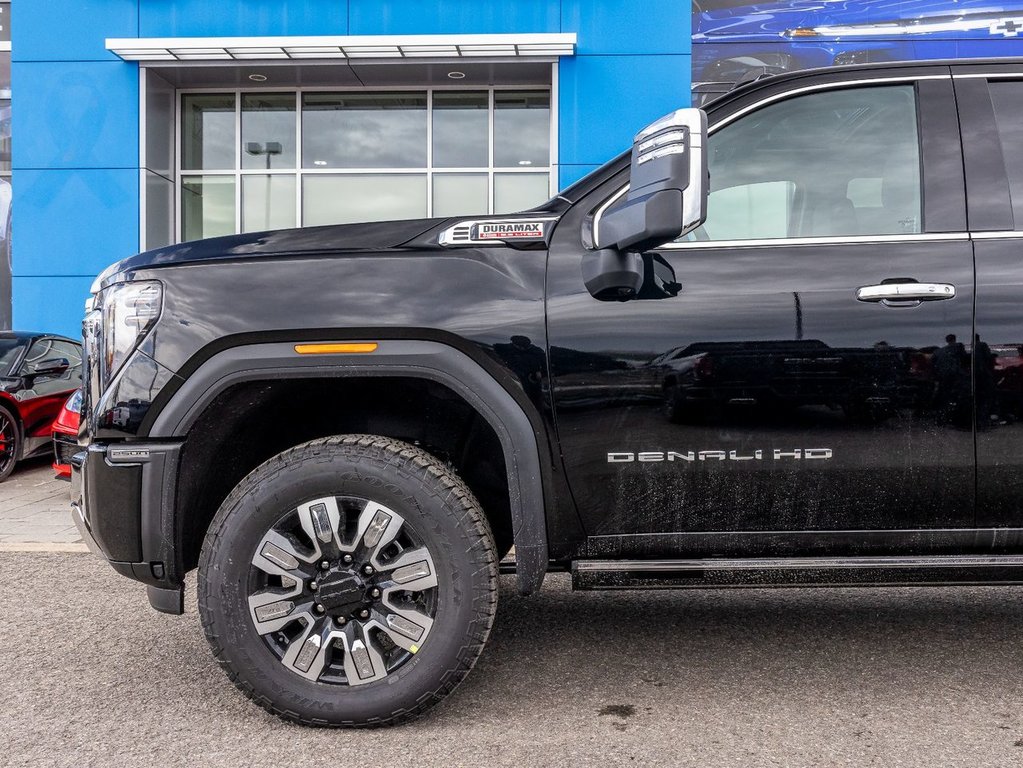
[[430, 499], [10, 443]]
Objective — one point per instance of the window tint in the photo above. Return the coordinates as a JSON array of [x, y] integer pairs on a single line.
[[1007, 99], [41, 349], [70, 352], [829, 164]]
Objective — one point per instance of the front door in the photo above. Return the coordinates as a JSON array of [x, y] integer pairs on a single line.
[[788, 381]]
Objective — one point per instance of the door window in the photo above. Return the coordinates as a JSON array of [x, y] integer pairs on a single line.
[[829, 164], [1007, 100]]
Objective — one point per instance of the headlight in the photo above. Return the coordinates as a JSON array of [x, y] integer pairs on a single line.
[[129, 311], [74, 403]]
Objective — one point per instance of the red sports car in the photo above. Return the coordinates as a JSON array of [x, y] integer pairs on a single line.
[[38, 372], [65, 435]]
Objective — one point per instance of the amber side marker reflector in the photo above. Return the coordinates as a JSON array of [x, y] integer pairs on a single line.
[[337, 349]]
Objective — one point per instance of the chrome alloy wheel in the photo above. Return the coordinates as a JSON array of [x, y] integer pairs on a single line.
[[342, 590]]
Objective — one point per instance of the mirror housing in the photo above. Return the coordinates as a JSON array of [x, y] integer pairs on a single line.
[[613, 275], [56, 366], [667, 185]]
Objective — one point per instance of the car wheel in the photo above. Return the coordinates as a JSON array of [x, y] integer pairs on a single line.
[[350, 581], [10, 443]]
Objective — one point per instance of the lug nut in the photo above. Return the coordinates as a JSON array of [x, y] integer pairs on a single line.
[[363, 614], [341, 621], [347, 558], [324, 565], [318, 608], [374, 592], [368, 570], [313, 586]]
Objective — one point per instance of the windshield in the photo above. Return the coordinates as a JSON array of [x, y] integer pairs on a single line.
[[10, 353]]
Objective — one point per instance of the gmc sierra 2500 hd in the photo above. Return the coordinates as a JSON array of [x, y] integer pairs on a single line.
[[804, 371]]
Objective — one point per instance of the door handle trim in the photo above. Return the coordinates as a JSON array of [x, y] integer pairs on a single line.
[[906, 292]]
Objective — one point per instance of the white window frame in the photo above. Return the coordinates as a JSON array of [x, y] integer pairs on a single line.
[[299, 172]]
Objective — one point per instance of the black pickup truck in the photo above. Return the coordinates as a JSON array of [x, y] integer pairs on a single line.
[[797, 372]]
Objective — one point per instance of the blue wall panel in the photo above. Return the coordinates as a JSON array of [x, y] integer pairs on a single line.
[[74, 222], [76, 115], [242, 18], [46, 30], [570, 174], [415, 17], [51, 304], [627, 26], [604, 100]]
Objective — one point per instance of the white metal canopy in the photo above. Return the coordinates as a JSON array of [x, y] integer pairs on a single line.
[[539, 45]]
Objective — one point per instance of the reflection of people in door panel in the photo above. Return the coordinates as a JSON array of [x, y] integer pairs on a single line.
[[952, 380]]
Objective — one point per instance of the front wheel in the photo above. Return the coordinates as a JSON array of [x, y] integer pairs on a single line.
[[350, 581], [10, 443]]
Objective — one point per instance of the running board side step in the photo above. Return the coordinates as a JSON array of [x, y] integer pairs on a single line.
[[798, 572]]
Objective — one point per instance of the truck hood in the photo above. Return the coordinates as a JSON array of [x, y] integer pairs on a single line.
[[375, 236]]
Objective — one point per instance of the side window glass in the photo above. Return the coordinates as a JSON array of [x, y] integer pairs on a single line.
[[828, 164], [1007, 100], [73, 354], [41, 349]]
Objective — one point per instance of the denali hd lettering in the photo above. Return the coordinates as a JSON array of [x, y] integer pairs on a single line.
[[344, 430], [778, 454]]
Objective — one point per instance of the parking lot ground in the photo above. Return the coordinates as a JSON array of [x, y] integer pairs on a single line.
[[35, 510], [91, 676]]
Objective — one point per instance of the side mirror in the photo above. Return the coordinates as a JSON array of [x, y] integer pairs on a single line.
[[667, 185], [667, 198], [56, 366]]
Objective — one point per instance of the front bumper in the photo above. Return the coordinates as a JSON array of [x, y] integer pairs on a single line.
[[122, 500]]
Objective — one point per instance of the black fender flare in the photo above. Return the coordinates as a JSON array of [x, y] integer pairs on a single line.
[[423, 359]]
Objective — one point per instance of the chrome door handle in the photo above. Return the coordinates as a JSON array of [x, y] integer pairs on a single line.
[[900, 292]]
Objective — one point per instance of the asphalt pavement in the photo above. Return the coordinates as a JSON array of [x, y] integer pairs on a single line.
[[91, 676]]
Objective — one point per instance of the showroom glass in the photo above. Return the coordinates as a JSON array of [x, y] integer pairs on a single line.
[[460, 129], [278, 159], [829, 164], [1007, 100], [207, 206], [207, 132], [522, 136], [268, 202], [268, 130], [364, 130]]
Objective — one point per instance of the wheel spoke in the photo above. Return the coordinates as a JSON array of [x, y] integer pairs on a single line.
[[377, 528], [280, 555], [307, 654], [363, 662], [411, 571], [320, 520], [407, 627], [274, 609]]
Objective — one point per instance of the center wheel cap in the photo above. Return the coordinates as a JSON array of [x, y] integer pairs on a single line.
[[341, 592]]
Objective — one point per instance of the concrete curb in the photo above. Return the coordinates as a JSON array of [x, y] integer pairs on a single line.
[[39, 546]]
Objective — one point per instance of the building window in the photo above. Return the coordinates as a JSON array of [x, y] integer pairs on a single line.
[[256, 160]]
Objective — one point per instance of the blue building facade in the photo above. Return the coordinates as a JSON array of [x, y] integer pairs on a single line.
[[99, 130]]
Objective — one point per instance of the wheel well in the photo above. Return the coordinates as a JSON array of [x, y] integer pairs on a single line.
[[250, 422]]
